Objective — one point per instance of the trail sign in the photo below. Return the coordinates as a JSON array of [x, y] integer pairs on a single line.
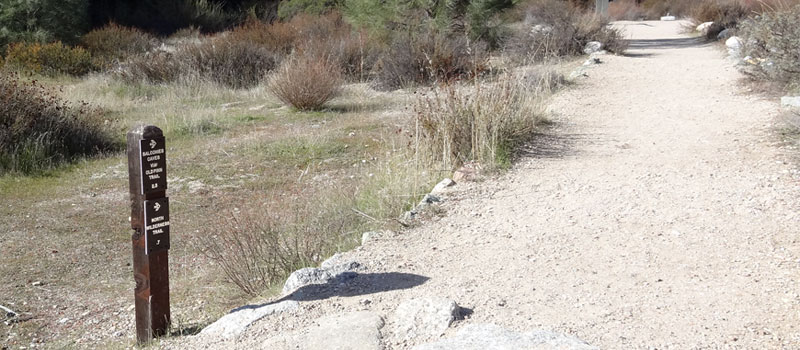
[[147, 183], [153, 165], [156, 225]]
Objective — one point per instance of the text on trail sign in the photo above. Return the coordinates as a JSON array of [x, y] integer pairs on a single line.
[[153, 165], [156, 225]]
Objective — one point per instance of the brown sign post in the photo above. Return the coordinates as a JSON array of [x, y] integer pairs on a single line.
[[147, 176]]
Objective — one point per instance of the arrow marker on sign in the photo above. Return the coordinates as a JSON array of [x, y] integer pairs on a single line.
[[157, 206], [152, 144]]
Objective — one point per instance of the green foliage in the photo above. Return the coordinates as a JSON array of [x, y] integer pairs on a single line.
[[42, 20], [290, 8], [484, 21], [49, 59], [38, 130]]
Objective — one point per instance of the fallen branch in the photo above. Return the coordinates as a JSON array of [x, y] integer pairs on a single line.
[[9, 312]]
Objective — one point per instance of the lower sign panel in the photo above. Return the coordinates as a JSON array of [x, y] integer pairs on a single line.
[[156, 225]]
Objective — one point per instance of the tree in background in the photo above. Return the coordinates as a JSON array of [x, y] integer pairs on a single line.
[[42, 21]]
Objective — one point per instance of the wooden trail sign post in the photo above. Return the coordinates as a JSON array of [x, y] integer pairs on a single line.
[[147, 177]]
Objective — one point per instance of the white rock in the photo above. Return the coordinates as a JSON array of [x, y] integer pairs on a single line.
[[703, 27], [734, 45], [592, 47], [349, 331], [541, 29], [668, 18], [790, 101], [494, 337], [239, 319], [424, 318], [442, 185]]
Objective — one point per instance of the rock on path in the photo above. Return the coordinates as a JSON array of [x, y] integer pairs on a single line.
[[494, 337]]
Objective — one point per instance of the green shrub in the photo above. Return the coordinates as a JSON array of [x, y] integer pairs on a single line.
[[772, 40], [42, 21], [114, 42], [306, 81], [49, 59], [430, 56], [38, 130], [555, 28]]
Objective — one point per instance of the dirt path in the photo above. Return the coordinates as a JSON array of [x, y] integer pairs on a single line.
[[659, 215]]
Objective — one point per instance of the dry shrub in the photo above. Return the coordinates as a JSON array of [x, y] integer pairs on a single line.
[[329, 35], [626, 10], [49, 59], [430, 56], [39, 130], [481, 123], [657, 8], [305, 81], [725, 14], [555, 28], [234, 64], [772, 40], [260, 247], [115, 42]]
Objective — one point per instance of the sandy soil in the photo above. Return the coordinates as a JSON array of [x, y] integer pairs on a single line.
[[657, 213]]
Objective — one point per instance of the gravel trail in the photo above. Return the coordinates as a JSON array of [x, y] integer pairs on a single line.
[[658, 213]]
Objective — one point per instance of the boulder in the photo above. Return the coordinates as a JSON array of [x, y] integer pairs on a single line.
[[424, 318], [239, 319], [494, 337], [790, 101], [327, 272], [592, 47], [734, 45], [703, 27], [348, 331], [668, 18]]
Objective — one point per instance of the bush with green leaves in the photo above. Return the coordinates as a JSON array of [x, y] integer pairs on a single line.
[[39, 130]]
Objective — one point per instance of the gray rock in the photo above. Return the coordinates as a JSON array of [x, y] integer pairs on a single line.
[[725, 34], [592, 47], [541, 29], [239, 319], [442, 185], [494, 337], [330, 270], [424, 318], [790, 101], [349, 331]]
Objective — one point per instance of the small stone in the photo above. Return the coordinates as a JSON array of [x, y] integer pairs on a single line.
[[63, 320], [37, 283]]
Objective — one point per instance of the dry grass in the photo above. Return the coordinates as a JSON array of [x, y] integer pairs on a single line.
[[482, 122]]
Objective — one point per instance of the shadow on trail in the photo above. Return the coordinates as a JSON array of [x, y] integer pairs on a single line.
[[678, 43], [350, 284], [553, 142]]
